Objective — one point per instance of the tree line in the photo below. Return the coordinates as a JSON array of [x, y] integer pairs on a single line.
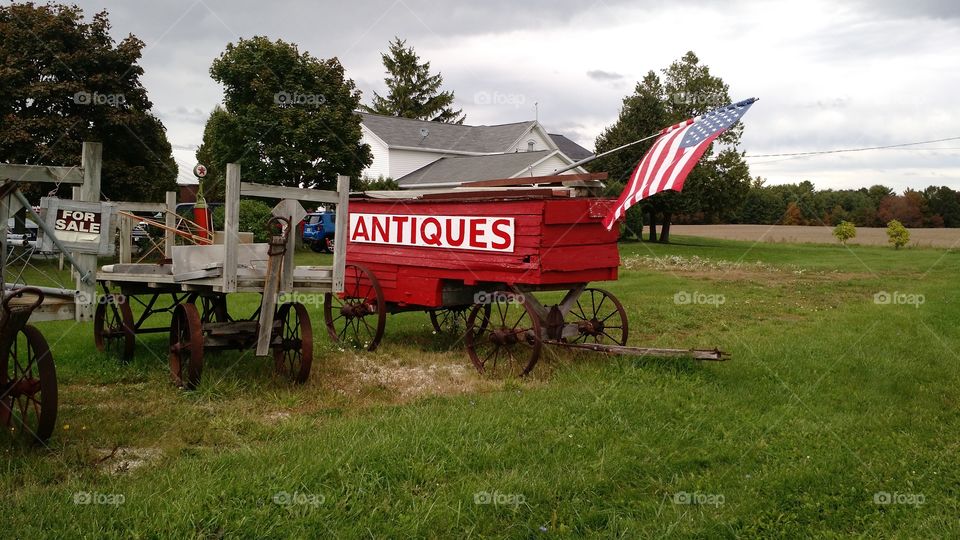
[[803, 204]]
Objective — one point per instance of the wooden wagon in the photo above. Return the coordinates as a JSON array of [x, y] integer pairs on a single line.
[[193, 285], [476, 261]]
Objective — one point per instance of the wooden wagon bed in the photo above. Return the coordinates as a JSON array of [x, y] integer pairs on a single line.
[[558, 241]]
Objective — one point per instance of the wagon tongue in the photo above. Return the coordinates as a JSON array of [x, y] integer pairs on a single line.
[[697, 354]]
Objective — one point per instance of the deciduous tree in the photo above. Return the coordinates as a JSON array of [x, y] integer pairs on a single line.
[[63, 81], [287, 117]]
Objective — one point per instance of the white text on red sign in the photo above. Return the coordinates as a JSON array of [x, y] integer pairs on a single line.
[[479, 233]]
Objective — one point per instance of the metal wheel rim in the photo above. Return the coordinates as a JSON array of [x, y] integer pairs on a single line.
[[294, 362], [508, 318], [356, 330], [113, 328], [29, 364], [186, 347], [600, 305]]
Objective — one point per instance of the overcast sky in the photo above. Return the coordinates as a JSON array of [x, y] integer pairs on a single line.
[[829, 74]]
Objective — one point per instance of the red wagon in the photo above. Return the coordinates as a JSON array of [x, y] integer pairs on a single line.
[[474, 260]]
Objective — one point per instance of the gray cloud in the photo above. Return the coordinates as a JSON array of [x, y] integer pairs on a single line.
[[830, 74], [601, 75]]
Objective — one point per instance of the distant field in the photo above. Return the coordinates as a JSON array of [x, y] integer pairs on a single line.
[[867, 236], [836, 417]]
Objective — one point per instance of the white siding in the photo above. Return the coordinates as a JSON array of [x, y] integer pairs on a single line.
[[404, 162], [547, 167], [381, 157], [538, 142]]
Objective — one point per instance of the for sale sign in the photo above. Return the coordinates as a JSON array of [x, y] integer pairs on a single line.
[[478, 233], [80, 227], [77, 225]]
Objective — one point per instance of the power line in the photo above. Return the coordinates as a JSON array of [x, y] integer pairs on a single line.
[[864, 149]]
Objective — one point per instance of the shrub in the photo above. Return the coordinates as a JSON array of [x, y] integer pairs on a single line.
[[897, 234], [253, 217], [845, 231]]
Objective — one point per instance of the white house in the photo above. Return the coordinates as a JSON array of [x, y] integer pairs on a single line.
[[418, 153]]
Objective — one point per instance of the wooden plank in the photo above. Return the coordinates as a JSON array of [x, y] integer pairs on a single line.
[[532, 193], [190, 258], [281, 192], [197, 274], [340, 232], [231, 226], [697, 354], [580, 258], [126, 240], [290, 209], [527, 180], [42, 173], [518, 208], [89, 191], [564, 235], [170, 220]]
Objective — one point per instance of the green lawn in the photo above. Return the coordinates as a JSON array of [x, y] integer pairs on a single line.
[[831, 405]]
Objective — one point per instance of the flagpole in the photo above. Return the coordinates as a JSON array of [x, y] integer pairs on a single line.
[[608, 152]]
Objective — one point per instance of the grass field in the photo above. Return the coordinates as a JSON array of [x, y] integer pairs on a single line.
[[866, 236], [837, 416]]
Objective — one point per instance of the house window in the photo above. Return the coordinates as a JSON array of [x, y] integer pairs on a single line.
[[530, 144]]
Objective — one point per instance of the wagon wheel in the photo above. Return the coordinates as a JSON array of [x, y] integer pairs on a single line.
[[504, 339], [186, 346], [600, 318], [358, 318], [28, 386], [113, 327], [293, 342], [453, 320]]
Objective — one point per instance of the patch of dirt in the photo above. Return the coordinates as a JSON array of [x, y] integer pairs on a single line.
[[124, 459], [406, 382], [276, 417]]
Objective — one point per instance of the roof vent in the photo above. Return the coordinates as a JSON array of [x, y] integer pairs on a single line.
[[423, 133]]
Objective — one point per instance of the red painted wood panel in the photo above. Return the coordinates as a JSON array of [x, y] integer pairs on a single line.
[[557, 241]]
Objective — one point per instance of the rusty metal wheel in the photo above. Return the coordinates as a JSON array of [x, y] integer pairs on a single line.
[[293, 342], [600, 318], [113, 327], [504, 339], [453, 320], [358, 315], [186, 346], [28, 386]]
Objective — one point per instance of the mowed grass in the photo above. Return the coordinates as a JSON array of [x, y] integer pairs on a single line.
[[830, 403]]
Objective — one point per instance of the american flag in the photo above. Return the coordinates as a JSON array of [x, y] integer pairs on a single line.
[[673, 155]]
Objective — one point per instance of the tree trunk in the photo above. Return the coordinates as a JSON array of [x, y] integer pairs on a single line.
[[653, 226], [665, 228]]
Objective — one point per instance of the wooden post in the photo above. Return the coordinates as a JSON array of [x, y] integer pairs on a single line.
[[170, 220], [340, 233], [89, 191], [126, 240], [231, 227], [4, 217]]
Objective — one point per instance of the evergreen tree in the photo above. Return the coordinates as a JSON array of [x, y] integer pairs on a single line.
[[412, 91]]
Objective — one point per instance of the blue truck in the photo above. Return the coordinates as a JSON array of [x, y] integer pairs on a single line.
[[318, 229]]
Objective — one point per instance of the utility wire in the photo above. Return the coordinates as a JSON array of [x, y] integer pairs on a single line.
[[821, 152]]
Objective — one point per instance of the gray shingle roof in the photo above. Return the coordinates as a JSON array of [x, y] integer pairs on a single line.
[[451, 137], [456, 170], [572, 150]]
